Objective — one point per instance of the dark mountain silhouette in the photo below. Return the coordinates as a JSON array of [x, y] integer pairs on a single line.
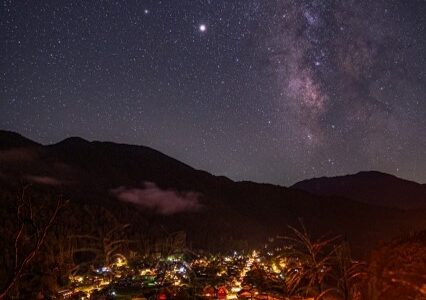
[[369, 187], [160, 191], [10, 139]]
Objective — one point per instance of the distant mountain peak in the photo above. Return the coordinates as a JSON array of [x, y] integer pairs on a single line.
[[374, 173], [373, 187], [119, 176], [371, 172], [74, 140], [10, 139]]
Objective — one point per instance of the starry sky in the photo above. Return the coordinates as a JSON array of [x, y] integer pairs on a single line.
[[265, 90]]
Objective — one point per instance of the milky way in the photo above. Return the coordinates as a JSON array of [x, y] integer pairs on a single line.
[[272, 91]]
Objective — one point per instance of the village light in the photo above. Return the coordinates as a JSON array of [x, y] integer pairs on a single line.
[[275, 269]]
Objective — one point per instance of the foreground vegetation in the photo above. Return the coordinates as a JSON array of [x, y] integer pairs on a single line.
[[51, 245]]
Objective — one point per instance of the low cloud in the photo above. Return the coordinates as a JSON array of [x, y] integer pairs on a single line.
[[46, 180], [165, 202]]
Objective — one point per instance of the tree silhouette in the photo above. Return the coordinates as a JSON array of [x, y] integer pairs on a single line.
[[106, 237], [33, 224]]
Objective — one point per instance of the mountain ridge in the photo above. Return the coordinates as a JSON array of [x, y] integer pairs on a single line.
[[11, 139], [372, 187], [233, 212]]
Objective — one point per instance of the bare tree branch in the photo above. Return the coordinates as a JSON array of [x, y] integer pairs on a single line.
[[21, 263]]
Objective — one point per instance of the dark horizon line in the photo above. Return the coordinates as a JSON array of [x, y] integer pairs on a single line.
[[217, 175]]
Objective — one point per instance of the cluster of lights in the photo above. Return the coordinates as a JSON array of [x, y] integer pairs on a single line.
[[178, 273]]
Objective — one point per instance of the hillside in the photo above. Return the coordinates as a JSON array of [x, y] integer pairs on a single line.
[[369, 187], [216, 212]]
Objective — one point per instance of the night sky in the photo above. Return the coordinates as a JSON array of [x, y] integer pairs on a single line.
[[266, 90]]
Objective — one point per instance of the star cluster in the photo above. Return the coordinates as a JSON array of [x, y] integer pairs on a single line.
[[273, 91]]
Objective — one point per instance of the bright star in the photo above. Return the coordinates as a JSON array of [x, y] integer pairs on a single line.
[[202, 28]]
